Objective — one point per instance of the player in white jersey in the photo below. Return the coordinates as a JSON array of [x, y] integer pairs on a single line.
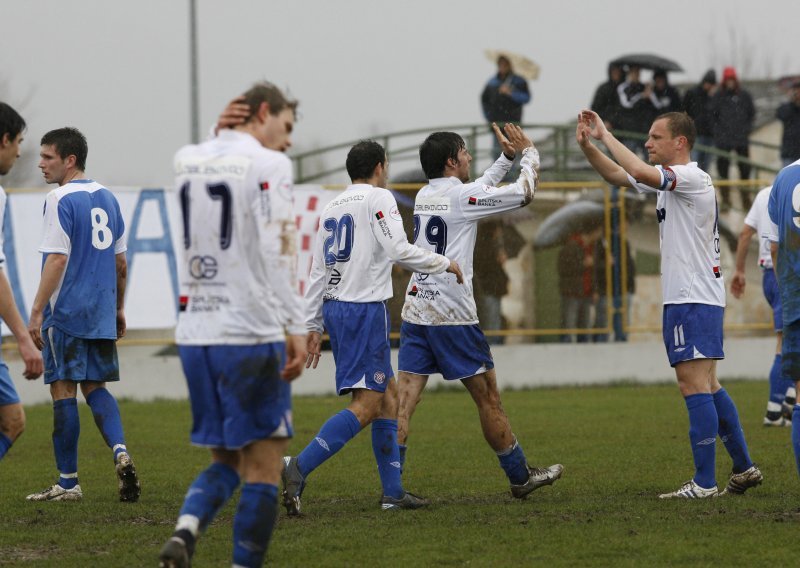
[[360, 236], [691, 282], [440, 332], [782, 393], [239, 299], [12, 415], [79, 310]]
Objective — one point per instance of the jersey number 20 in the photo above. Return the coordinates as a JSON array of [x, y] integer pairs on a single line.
[[338, 246]]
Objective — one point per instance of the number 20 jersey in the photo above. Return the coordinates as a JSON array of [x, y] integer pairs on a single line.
[[446, 214], [238, 268]]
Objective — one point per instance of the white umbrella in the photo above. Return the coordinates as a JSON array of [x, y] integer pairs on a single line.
[[521, 65]]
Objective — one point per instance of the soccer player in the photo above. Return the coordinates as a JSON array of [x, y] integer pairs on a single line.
[[782, 394], [12, 416], [360, 235], [691, 282], [78, 312], [440, 332], [784, 212], [239, 298]]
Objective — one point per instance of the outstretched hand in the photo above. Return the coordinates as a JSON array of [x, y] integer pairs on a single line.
[[508, 147], [516, 137], [593, 124]]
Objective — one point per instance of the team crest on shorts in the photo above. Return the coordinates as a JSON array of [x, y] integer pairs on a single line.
[[379, 377]]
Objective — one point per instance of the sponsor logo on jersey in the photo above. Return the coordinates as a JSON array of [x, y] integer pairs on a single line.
[[203, 267], [264, 185], [336, 277], [414, 290], [183, 301], [717, 273], [432, 205], [379, 215], [395, 214], [670, 179], [209, 303], [473, 200], [379, 377], [484, 201], [383, 224], [344, 200]]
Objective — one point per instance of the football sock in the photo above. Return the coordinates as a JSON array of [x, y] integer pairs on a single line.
[[205, 497], [66, 430], [106, 415], [791, 394], [796, 435], [703, 427], [5, 444], [778, 384], [334, 434], [731, 432], [253, 524], [387, 455], [514, 463], [402, 449]]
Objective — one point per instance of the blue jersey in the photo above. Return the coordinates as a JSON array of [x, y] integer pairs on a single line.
[[784, 210], [82, 220]]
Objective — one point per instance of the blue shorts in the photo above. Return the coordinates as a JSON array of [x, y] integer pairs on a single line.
[[769, 283], [359, 335], [790, 351], [693, 331], [237, 394], [71, 358], [8, 394], [455, 351]]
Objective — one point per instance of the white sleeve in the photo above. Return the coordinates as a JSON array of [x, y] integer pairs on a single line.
[[387, 227], [496, 172], [316, 288], [679, 179], [277, 228], [478, 200], [55, 238]]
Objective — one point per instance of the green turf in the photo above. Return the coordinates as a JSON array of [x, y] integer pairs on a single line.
[[620, 446]]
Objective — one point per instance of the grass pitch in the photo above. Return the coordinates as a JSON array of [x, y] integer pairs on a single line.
[[621, 446]]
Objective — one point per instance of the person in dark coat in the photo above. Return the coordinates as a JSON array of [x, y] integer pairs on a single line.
[[606, 99], [636, 111], [789, 114], [732, 114], [696, 104]]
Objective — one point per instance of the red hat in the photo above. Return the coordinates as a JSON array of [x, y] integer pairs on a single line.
[[728, 73]]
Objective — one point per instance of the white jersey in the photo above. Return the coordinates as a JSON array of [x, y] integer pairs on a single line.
[[687, 220], [446, 215], [238, 271], [3, 198], [758, 219], [360, 234]]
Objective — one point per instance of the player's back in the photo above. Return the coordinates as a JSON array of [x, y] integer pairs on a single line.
[[83, 221], [758, 219], [235, 198], [784, 210]]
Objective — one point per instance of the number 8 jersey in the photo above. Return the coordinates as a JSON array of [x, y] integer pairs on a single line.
[[238, 268], [82, 220]]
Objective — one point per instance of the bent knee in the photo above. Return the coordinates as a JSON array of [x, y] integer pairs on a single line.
[[12, 421]]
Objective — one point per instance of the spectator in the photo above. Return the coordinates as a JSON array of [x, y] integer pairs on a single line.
[[490, 279], [732, 113], [576, 282], [606, 100], [502, 100], [789, 114], [696, 104], [635, 112], [601, 289], [663, 96]]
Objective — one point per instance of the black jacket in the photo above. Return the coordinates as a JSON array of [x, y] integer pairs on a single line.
[[789, 115], [732, 114], [696, 104]]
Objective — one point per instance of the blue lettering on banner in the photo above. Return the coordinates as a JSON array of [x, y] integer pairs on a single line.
[[12, 269], [162, 244]]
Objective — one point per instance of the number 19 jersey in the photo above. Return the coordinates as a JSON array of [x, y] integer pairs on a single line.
[[446, 215], [238, 268]]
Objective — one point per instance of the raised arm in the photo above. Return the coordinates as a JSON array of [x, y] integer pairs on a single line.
[[608, 169]]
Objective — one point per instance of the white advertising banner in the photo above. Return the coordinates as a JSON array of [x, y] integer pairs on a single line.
[[155, 245]]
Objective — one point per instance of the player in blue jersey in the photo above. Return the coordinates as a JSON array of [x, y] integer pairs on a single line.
[[785, 214], [78, 312], [12, 416], [691, 283]]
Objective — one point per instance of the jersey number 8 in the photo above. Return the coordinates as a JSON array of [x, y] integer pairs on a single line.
[[101, 234]]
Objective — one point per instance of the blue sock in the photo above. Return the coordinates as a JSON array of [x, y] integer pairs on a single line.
[[253, 524], [66, 430], [206, 496], [777, 384], [514, 463], [334, 434], [785, 382], [703, 427], [387, 455], [730, 430], [796, 435], [5, 444], [402, 449], [106, 416]]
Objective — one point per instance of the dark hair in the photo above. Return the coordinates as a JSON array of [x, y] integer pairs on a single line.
[[680, 124], [68, 141], [266, 92], [363, 158], [436, 150], [11, 122]]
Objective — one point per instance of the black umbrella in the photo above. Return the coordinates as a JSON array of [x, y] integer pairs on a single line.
[[647, 61], [574, 217]]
